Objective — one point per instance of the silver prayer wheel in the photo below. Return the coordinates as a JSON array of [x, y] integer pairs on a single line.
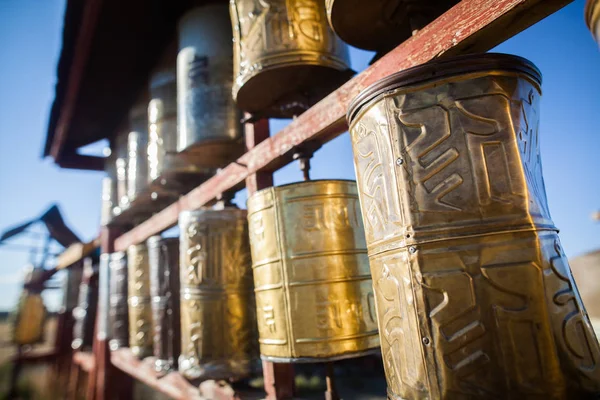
[[286, 57], [210, 128], [137, 147], [163, 256], [120, 154], [118, 312], [85, 312], [139, 301], [218, 323]]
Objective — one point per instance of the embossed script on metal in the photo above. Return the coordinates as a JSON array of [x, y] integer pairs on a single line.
[[218, 322], [313, 286], [286, 57], [138, 300], [474, 294]]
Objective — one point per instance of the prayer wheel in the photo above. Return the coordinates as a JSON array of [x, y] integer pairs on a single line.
[[382, 25], [474, 293], [314, 294], [118, 314], [210, 128], [137, 147], [218, 322], [120, 154], [286, 57], [30, 316], [139, 301], [85, 312], [592, 16], [163, 256]]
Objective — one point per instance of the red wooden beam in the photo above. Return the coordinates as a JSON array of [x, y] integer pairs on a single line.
[[84, 360], [470, 26], [82, 50]]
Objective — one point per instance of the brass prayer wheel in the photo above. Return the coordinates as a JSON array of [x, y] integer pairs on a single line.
[[85, 312], [286, 57], [163, 256], [218, 322], [592, 16], [210, 128], [474, 294], [382, 25], [118, 314], [137, 147], [314, 294], [139, 301]]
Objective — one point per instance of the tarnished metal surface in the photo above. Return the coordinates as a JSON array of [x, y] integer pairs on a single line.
[[382, 24], [85, 312], [313, 286], [209, 121], [118, 312], [139, 301], [137, 147], [218, 323], [286, 57], [475, 297], [592, 17], [163, 255]]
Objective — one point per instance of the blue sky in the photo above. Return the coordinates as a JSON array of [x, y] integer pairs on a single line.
[[30, 41]]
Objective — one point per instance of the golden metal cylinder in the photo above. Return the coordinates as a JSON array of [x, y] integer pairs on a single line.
[[118, 312], [137, 147], [313, 287], [139, 301], [592, 17], [209, 122], [474, 294], [382, 25], [286, 57], [29, 319], [218, 322], [85, 312]]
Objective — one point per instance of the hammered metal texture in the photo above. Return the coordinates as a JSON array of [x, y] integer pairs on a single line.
[[139, 301], [137, 147], [592, 17], [163, 255], [382, 25], [286, 57], [314, 294], [85, 312], [218, 320], [475, 297], [162, 121], [209, 121], [118, 313]]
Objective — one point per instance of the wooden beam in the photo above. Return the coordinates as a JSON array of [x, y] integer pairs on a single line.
[[80, 161], [75, 253], [82, 50], [84, 360], [470, 26]]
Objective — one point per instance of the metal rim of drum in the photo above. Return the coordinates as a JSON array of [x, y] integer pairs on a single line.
[[304, 183], [439, 69]]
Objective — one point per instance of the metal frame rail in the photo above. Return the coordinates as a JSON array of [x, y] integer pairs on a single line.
[[471, 26]]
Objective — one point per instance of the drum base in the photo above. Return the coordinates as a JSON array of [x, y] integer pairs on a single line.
[[212, 154], [306, 360], [285, 91]]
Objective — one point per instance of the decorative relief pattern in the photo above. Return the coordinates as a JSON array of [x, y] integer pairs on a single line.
[[218, 329], [476, 299], [314, 293], [139, 301]]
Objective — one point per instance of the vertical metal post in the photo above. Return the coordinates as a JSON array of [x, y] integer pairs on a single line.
[[278, 378]]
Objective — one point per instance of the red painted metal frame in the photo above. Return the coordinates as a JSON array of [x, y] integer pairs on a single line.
[[470, 26]]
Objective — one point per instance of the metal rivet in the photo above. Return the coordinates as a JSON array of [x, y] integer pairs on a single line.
[[399, 161], [412, 249], [426, 341]]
